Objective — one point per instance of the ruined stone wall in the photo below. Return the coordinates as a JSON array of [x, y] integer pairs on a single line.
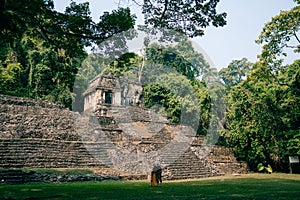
[[28, 118], [224, 159]]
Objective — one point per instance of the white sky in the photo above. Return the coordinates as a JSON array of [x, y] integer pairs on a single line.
[[245, 20]]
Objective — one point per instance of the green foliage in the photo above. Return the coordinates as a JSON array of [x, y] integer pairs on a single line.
[[279, 34], [113, 23], [262, 168], [178, 69], [188, 17], [204, 105], [9, 77], [126, 65], [159, 97], [290, 107], [42, 49], [235, 72], [48, 46], [263, 111], [263, 117], [181, 57]]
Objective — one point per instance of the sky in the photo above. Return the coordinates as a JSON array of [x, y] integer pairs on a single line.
[[236, 40]]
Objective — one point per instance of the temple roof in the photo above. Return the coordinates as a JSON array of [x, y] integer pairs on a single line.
[[109, 82], [102, 81]]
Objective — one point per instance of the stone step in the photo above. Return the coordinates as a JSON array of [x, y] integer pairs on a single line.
[[13, 100], [191, 173], [188, 165], [15, 115], [176, 169], [190, 177], [25, 152]]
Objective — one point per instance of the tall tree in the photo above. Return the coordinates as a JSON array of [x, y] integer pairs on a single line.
[[278, 35], [263, 117], [177, 70], [235, 72]]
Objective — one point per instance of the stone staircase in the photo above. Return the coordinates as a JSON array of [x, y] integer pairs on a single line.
[[36, 153], [189, 166], [180, 162], [98, 137]]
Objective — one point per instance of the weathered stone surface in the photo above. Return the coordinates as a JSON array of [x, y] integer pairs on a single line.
[[39, 134], [20, 177], [225, 160], [26, 118]]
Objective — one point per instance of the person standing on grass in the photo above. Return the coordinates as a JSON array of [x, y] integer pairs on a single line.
[[156, 176]]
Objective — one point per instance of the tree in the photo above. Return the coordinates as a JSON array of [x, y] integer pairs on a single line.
[[290, 107], [278, 35], [262, 117], [163, 100], [48, 46], [254, 118], [126, 65], [181, 57], [189, 17], [204, 105], [64, 30], [178, 69], [235, 72], [263, 110]]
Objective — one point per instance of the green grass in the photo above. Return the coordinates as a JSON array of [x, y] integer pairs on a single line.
[[253, 186]]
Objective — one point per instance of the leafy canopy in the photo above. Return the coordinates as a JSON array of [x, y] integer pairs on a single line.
[[42, 49], [190, 17], [278, 35], [263, 110]]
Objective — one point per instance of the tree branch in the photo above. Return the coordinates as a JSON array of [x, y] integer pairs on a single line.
[[137, 3], [297, 38], [164, 11], [289, 46]]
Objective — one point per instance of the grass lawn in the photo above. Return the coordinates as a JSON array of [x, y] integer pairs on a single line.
[[251, 186]]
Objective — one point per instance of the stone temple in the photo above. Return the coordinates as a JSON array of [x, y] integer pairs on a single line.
[[115, 131], [105, 91]]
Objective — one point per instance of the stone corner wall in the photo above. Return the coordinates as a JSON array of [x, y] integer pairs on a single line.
[[224, 159]]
